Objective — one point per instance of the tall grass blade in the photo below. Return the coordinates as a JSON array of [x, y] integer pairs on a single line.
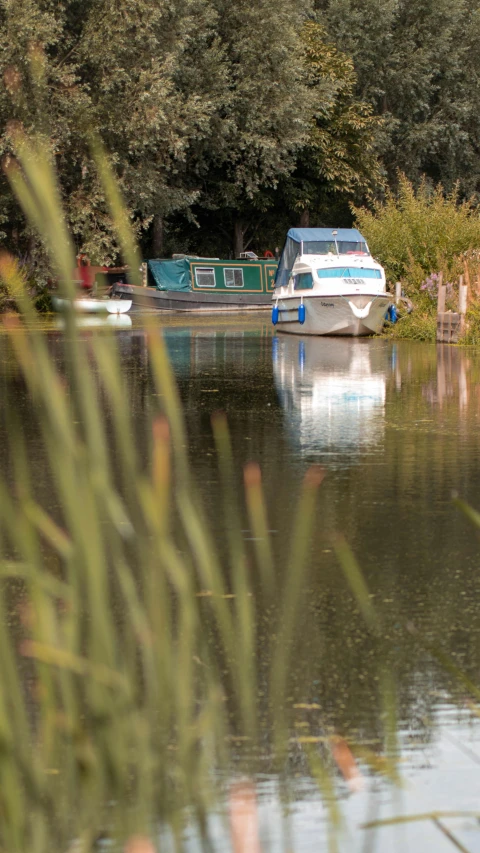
[[133, 668], [293, 587], [243, 602], [357, 584], [257, 515]]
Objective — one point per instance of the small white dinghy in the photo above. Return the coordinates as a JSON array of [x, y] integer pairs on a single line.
[[84, 305]]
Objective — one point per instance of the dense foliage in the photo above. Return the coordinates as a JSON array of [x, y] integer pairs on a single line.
[[228, 123], [417, 64], [413, 233]]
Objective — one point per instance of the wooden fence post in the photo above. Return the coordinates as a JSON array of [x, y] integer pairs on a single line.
[[462, 296], [448, 322], [462, 303], [398, 292], [442, 292]]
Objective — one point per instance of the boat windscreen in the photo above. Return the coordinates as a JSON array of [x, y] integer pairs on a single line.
[[325, 247], [320, 247], [346, 247]]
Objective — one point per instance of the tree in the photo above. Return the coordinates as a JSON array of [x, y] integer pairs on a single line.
[[40, 93], [339, 161], [331, 161], [264, 119], [122, 70], [417, 65], [201, 104], [157, 82]]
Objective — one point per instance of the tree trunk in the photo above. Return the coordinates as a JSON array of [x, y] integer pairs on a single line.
[[158, 236], [238, 235], [305, 219]]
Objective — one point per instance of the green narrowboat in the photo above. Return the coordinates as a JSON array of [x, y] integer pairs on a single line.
[[187, 283]]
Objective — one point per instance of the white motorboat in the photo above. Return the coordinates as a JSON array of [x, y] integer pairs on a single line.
[[327, 283], [84, 305]]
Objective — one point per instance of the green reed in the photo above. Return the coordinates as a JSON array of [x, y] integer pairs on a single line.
[[118, 682], [130, 671]]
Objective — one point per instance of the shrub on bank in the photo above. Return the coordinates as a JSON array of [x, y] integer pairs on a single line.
[[415, 233], [419, 325], [471, 335], [4, 299]]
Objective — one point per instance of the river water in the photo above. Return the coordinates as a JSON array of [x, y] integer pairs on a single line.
[[396, 428]]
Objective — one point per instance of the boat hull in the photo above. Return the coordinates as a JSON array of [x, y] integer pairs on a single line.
[[172, 300], [350, 315]]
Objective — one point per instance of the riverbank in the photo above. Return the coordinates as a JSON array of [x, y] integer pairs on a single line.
[[421, 323]]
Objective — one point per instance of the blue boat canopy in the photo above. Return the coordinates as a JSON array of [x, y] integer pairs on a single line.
[[317, 241], [309, 235]]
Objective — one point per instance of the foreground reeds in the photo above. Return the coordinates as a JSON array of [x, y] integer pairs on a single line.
[[132, 662], [128, 669]]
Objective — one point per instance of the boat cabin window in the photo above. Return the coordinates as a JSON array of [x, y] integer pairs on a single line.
[[303, 281], [205, 276], [348, 272], [233, 277]]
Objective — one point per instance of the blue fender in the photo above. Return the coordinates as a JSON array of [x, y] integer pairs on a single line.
[[392, 313]]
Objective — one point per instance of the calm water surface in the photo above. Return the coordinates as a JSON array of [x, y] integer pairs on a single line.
[[396, 428]]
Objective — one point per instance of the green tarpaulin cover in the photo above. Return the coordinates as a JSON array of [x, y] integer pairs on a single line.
[[171, 275]]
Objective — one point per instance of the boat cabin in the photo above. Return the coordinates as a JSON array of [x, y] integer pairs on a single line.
[[207, 275], [323, 253]]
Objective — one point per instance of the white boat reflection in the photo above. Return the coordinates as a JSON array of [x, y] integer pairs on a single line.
[[93, 321], [333, 392]]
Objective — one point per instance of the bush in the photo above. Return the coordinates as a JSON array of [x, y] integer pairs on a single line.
[[42, 300], [420, 325], [416, 233], [471, 336], [6, 302], [37, 282]]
